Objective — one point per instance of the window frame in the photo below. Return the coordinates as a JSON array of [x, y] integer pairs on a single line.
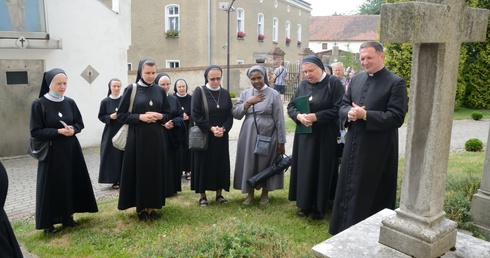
[[169, 62], [275, 29], [240, 20], [169, 25], [260, 24]]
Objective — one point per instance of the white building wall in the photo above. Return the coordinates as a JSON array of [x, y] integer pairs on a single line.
[[91, 34], [351, 46]]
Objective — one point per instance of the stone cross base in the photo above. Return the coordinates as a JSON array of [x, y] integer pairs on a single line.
[[480, 212], [361, 240], [419, 236]]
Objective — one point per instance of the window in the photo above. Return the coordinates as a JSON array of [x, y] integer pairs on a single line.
[[299, 34], [240, 62], [240, 20], [17, 77], [130, 66], [173, 64], [260, 25], [288, 32], [275, 29], [172, 18], [324, 45], [23, 18]]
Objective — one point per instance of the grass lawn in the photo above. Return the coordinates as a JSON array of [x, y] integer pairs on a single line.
[[231, 230]]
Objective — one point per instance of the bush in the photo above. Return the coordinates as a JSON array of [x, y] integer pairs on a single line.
[[473, 145], [477, 115], [232, 94]]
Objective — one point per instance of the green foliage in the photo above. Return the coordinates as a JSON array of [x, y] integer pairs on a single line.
[[473, 83], [473, 144], [348, 60], [457, 201], [477, 115], [172, 33], [371, 7], [232, 94]]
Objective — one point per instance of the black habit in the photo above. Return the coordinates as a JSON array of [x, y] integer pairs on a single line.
[[314, 154], [143, 174], [172, 142], [63, 182], [110, 157], [184, 152], [368, 175], [211, 168], [9, 247]]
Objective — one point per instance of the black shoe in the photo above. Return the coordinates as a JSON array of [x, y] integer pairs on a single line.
[[154, 215], [303, 213], [318, 216], [143, 216], [71, 223], [51, 230]]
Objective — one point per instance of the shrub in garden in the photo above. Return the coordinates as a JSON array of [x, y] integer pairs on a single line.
[[474, 145], [477, 115]]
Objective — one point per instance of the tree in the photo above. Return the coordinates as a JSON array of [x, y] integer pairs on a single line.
[[371, 7], [473, 86]]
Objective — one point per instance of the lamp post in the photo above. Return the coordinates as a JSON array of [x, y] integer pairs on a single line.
[[230, 9]]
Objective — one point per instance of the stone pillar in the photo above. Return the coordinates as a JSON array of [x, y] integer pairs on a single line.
[[436, 28], [480, 205]]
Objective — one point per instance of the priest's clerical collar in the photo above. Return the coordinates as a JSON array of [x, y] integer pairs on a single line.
[[372, 74]]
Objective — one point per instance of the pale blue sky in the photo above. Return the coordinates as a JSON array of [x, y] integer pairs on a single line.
[[329, 7]]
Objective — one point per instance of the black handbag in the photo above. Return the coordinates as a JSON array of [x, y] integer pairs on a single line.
[[39, 149], [262, 142], [198, 140], [280, 164]]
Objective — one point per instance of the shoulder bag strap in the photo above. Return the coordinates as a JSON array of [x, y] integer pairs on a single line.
[[133, 93], [255, 121], [205, 103], [279, 74]]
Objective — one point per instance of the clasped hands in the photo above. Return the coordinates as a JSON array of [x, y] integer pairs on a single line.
[[356, 112], [307, 119], [217, 131], [151, 117]]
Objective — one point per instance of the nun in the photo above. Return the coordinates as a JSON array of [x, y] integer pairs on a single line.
[[63, 182], [314, 161], [262, 110], [171, 132], [143, 173], [110, 157], [180, 89]]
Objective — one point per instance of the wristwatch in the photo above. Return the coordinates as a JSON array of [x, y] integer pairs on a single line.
[[365, 116]]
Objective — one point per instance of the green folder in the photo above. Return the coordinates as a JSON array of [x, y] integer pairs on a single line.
[[303, 106]]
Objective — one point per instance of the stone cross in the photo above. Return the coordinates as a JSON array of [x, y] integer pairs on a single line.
[[480, 204], [436, 28]]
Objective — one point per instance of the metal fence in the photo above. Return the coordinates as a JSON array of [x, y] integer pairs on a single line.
[[294, 75]]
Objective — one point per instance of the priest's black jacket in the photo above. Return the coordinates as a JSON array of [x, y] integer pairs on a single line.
[[368, 174]]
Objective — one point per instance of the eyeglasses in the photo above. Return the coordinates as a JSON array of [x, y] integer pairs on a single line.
[[215, 79]]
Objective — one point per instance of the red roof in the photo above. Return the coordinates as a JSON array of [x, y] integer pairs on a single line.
[[344, 28]]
